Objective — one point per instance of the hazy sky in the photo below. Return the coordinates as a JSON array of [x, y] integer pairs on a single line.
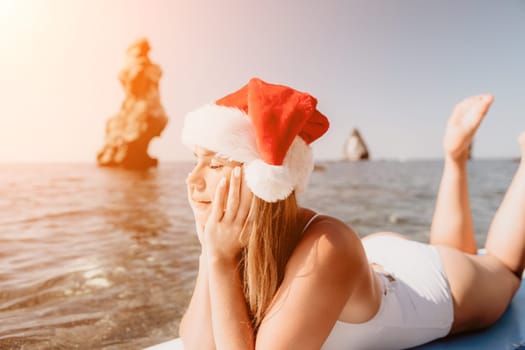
[[393, 69]]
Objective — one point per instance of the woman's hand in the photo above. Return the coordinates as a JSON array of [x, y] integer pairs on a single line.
[[227, 219]]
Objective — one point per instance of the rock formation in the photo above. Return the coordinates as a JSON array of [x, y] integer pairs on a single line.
[[141, 116], [355, 148]]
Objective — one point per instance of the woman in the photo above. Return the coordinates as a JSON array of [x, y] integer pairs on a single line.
[[273, 275]]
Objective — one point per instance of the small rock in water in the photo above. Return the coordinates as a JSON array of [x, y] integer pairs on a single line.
[[394, 219], [355, 148]]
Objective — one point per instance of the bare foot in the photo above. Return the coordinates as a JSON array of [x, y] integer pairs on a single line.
[[463, 123]]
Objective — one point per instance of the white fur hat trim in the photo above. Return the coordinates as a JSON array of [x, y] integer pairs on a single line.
[[225, 130], [229, 132]]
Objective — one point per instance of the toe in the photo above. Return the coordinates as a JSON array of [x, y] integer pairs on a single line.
[[486, 101]]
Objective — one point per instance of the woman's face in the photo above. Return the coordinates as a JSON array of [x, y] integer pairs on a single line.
[[203, 180]]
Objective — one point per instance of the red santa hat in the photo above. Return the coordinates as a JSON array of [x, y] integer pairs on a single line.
[[267, 127]]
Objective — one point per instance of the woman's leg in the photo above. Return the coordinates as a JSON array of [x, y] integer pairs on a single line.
[[483, 286], [506, 237], [452, 222]]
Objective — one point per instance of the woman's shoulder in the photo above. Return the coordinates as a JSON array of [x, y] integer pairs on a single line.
[[328, 239], [319, 226], [330, 254]]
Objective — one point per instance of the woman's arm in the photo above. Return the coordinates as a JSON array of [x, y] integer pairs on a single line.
[[195, 327], [231, 322], [319, 280], [232, 328], [321, 276]]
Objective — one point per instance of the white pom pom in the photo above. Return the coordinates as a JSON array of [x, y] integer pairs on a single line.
[[300, 163], [271, 183]]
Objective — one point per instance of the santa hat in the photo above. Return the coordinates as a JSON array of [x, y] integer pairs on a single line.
[[267, 127]]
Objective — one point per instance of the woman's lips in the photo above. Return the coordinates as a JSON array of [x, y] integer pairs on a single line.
[[201, 204]]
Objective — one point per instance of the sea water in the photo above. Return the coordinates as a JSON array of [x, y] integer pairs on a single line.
[[97, 258]]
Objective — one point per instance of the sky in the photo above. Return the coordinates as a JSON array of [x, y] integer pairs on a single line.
[[393, 69]]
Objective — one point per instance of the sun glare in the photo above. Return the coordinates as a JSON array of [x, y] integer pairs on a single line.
[[16, 15], [8, 9]]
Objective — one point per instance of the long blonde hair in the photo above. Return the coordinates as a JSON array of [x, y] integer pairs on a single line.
[[271, 233]]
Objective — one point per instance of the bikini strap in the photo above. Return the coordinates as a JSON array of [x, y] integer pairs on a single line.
[[310, 221]]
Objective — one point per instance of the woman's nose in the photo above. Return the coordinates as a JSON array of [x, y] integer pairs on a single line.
[[194, 179]]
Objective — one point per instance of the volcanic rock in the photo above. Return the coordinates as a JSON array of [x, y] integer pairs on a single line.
[[141, 116]]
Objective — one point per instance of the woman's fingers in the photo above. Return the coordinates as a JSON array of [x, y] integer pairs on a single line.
[[232, 207], [232, 204], [217, 209], [228, 216]]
